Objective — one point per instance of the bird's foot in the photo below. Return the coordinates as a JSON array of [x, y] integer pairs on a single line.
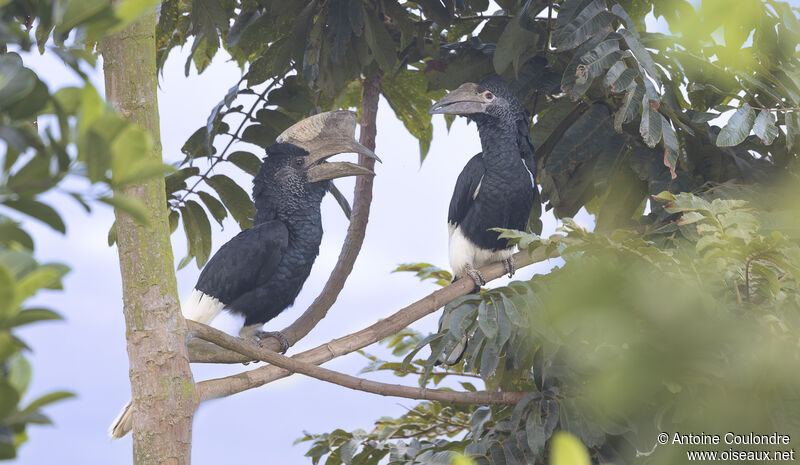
[[261, 335], [508, 263], [477, 277]]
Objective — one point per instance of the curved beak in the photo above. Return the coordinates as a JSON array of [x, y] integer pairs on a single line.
[[465, 100], [338, 169], [335, 145]]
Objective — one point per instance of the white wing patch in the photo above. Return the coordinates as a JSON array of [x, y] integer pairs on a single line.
[[201, 307], [477, 189]]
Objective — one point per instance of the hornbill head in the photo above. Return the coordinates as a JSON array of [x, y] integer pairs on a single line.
[[493, 97], [295, 171]]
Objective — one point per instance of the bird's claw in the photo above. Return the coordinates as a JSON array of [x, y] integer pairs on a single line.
[[261, 335], [508, 263], [477, 277]]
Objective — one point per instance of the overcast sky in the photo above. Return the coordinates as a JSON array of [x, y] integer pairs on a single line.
[[86, 353]]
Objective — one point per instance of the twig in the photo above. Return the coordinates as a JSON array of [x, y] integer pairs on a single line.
[[229, 385], [362, 199], [360, 384]]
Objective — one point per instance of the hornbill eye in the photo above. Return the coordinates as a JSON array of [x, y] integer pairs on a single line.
[[488, 95], [298, 162]]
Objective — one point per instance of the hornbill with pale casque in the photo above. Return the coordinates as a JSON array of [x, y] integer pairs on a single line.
[[496, 188], [259, 273]]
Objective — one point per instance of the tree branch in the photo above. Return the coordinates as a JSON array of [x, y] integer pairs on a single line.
[[229, 385], [360, 384], [362, 199]]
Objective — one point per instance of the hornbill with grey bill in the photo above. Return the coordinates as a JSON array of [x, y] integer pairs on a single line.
[[259, 273], [496, 188]]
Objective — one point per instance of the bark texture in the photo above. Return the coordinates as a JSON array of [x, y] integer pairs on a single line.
[[164, 397]]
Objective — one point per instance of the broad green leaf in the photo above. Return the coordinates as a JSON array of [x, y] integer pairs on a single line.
[[670, 146], [7, 292], [42, 212], [487, 319], [409, 98], [650, 127], [198, 231], [47, 399], [130, 10], [738, 127], [214, 206], [130, 205], [379, 40], [91, 107], [31, 315], [234, 198], [9, 398], [79, 11], [792, 128], [512, 44], [43, 277], [19, 373], [764, 127], [587, 23], [16, 81], [641, 54], [566, 449], [630, 106]]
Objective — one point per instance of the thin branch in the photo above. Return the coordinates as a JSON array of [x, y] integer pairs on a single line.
[[362, 199], [360, 384], [229, 385]]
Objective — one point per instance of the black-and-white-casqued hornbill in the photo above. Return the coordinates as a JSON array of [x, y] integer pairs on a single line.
[[496, 188], [259, 273]]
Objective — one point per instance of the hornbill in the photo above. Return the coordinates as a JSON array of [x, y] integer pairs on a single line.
[[496, 188], [259, 273]]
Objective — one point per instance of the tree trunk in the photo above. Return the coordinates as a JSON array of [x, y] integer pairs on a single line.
[[163, 391]]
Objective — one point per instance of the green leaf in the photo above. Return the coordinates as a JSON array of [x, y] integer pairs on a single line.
[[407, 93], [130, 10], [214, 206], [234, 198], [641, 54], [650, 127], [130, 205], [198, 231], [512, 44], [566, 449], [9, 398], [19, 376], [792, 128], [7, 292], [16, 81], [11, 233], [38, 210], [79, 11], [32, 315], [587, 23], [487, 319], [44, 276], [630, 106], [47, 399], [764, 127], [379, 41], [738, 127], [671, 147]]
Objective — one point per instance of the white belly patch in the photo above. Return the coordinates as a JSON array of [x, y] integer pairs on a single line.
[[464, 253]]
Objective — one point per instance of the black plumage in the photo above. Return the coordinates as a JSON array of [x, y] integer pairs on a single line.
[[259, 273], [496, 188]]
